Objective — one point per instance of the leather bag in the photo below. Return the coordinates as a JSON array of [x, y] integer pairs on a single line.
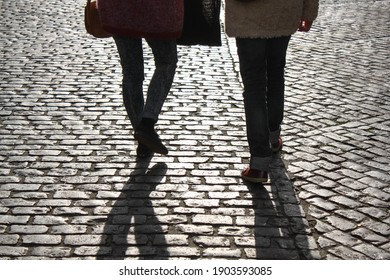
[[153, 19], [201, 23], [92, 21]]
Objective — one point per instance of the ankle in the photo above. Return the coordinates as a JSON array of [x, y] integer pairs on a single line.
[[147, 124]]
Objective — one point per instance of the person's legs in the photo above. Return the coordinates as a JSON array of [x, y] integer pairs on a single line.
[[132, 62], [253, 68], [165, 57], [276, 62]]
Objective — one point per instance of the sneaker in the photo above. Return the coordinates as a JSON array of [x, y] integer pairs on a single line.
[[151, 140], [276, 147], [254, 175], [143, 151]]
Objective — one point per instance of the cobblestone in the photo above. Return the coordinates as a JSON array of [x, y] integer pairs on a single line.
[[71, 187]]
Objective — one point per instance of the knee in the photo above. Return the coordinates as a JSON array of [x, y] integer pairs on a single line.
[[132, 77], [168, 65]]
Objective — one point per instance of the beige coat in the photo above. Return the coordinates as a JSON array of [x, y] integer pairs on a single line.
[[267, 18]]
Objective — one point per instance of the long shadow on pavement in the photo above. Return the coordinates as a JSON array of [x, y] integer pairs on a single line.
[[132, 229], [281, 230]]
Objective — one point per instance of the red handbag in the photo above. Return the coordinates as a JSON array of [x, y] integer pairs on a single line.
[[155, 19]]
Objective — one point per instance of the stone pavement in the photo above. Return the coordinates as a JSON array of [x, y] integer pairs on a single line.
[[71, 187]]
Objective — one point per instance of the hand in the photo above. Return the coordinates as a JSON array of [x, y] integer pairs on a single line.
[[305, 25]]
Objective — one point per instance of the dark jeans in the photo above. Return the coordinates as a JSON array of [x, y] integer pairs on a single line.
[[262, 63], [132, 60]]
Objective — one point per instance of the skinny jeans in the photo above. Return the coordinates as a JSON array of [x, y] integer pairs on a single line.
[[132, 61]]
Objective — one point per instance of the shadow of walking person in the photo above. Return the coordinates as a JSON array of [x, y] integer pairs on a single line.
[[132, 229], [281, 231]]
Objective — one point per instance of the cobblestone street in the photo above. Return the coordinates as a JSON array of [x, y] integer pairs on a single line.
[[72, 188]]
